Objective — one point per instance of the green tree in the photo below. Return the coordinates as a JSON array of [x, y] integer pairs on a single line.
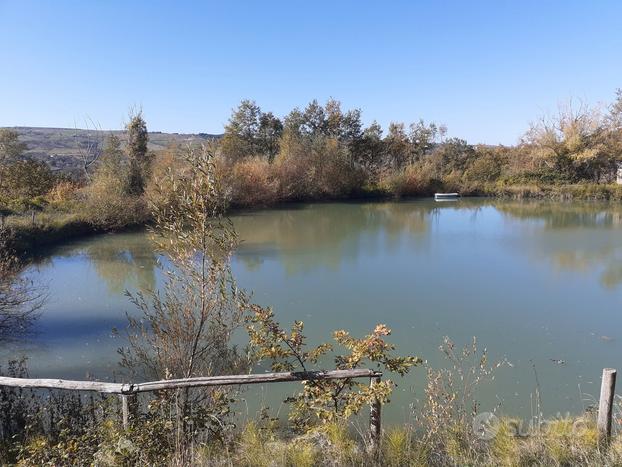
[[314, 120], [345, 126], [327, 121], [139, 159], [488, 164], [423, 138], [397, 146], [293, 122], [11, 148], [269, 134], [26, 179], [242, 132], [452, 157], [368, 150]]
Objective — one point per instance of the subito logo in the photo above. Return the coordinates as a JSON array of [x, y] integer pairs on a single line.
[[485, 425]]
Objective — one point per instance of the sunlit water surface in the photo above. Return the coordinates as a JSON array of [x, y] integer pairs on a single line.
[[536, 283]]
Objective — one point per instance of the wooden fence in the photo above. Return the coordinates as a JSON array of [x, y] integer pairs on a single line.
[[127, 391]]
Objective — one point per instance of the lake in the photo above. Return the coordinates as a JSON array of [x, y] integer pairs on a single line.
[[538, 284]]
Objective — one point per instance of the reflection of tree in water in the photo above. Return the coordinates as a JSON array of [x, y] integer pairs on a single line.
[[563, 215], [307, 237], [609, 258], [573, 236], [587, 235], [612, 277], [123, 261]]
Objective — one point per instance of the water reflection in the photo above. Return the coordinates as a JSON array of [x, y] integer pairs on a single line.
[[312, 236], [580, 237], [533, 281], [306, 237], [565, 215], [123, 264], [302, 239], [122, 261]]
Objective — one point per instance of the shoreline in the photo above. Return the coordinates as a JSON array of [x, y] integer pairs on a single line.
[[26, 240]]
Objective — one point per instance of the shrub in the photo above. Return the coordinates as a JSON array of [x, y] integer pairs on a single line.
[[26, 178], [106, 202], [488, 164], [185, 329], [253, 183], [325, 401], [294, 170], [316, 168], [412, 181], [64, 196], [106, 208]]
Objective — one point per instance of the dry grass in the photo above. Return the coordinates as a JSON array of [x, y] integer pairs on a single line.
[[254, 183]]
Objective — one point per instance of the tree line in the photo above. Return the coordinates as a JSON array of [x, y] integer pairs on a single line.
[[324, 151], [321, 152]]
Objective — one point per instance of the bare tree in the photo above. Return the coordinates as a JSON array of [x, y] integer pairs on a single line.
[[574, 143], [90, 149]]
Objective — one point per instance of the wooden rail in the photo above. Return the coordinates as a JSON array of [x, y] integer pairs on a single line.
[[231, 380], [132, 389], [126, 390]]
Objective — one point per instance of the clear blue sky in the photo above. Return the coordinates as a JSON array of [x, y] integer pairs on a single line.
[[484, 68]]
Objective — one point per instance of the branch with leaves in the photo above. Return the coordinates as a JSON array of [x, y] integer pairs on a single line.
[[323, 401]]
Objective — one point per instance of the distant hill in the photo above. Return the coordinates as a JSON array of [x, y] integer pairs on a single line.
[[59, 147]]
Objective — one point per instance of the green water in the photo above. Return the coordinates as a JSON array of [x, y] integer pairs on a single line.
[[532, 281]]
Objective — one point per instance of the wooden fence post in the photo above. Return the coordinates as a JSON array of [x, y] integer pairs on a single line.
[[128, 408], [375, 418], [605, 404]]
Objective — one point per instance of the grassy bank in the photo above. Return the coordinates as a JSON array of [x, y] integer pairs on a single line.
[[561, 442], [574, 192], [53, 228]]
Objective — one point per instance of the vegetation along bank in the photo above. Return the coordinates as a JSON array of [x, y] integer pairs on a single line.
[[321, 152]]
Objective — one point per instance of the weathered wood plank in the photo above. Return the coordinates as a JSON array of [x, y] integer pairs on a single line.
[[375, 418], [96, 386], [125, 411], [229, 380], [129, 409], [605, 405], [250, 379]]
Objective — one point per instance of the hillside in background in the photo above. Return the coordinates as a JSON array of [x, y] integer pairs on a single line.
[[60, 147]]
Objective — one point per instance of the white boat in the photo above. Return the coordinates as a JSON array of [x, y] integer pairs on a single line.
[[446, 196]]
